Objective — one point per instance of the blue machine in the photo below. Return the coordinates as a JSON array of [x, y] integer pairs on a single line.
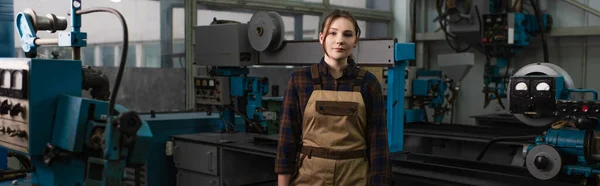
[[428, 89], [570, 146], [71, 140], [46, 118], [251, 89]]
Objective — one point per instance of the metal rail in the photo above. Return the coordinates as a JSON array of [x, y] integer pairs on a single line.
[[457, 171]]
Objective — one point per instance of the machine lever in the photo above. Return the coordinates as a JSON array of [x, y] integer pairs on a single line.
[[129, 123]]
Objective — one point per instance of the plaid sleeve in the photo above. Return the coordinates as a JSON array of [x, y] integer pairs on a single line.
[[380, 170], [290, 120]]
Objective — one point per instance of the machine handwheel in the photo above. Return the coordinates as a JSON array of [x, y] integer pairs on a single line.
[[266, 31], [543, 162]]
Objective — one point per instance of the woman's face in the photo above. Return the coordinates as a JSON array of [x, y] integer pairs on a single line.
[[340, 39]]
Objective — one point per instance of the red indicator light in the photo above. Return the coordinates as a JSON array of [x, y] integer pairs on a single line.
[[584, 108]]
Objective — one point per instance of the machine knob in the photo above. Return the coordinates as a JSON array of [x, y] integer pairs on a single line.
[[5, 107], [9, 130], [563, 109], [595, 109], [574, 109], [541, 162], [16, 110], [19, 133]]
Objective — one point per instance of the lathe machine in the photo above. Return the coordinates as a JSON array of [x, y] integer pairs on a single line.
[[564, 153]]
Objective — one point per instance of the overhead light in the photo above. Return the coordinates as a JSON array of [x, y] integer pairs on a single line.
[[116, 1]]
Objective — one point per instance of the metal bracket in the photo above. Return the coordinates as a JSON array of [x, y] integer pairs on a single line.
[[584, 7]]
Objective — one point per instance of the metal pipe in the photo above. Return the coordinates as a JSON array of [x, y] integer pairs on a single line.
[[584, 7], [585, 54], [51, 41], [76, 53]]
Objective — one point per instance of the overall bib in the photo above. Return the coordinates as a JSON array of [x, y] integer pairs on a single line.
[[334, 147]]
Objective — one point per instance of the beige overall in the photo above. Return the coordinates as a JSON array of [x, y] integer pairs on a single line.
[[334, 147]]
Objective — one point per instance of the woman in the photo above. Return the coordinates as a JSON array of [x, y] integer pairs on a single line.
[[333, 127]]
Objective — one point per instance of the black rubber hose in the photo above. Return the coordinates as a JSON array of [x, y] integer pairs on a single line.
[[501, 139], [115, 90], [536, 9], [439, 5]]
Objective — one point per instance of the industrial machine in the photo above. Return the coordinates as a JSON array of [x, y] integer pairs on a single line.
[[540, 94], [435, 89], [70, 140], [498, 29]]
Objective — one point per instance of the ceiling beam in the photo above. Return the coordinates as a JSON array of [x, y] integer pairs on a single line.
[[294, 7], [555, 32]]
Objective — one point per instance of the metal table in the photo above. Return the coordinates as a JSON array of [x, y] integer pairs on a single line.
[[225, 159]]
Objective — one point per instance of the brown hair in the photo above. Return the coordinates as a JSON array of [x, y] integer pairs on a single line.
[[337, 13]]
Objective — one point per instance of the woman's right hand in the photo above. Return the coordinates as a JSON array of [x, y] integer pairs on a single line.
[[283, 180]]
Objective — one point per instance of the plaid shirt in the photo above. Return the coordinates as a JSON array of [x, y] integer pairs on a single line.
[[299, 89]]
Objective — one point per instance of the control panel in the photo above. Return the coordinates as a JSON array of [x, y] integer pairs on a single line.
[[534, 95], [14, 104], [578, 108], [212, 90], [498, 29]]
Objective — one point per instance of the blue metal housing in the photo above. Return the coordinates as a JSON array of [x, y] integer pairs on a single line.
[[7, 49], [525, 25], [403, 52], [60, 125], [431, 85], [568, 141], [47, 81], [420, 87]]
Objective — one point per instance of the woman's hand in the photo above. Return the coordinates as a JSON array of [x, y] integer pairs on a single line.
[[283, 180]]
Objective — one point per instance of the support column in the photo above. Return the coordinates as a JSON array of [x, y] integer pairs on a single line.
[[166, 33], [190, 16], [298, 27]]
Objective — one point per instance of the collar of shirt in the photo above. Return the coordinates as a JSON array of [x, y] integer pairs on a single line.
[[349, 71]]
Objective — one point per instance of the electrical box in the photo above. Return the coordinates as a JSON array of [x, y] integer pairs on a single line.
[[498, 29], [224, 45], [212, 90], [465, 23]]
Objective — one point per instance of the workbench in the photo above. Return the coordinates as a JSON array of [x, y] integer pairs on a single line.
[[225, 159]]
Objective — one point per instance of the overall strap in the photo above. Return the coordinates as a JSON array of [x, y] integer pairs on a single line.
[[316, 77], [359, 79]]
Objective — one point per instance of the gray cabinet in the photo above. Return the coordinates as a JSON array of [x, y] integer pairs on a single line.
[[222, 160], [189, 178], [196, 157]]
